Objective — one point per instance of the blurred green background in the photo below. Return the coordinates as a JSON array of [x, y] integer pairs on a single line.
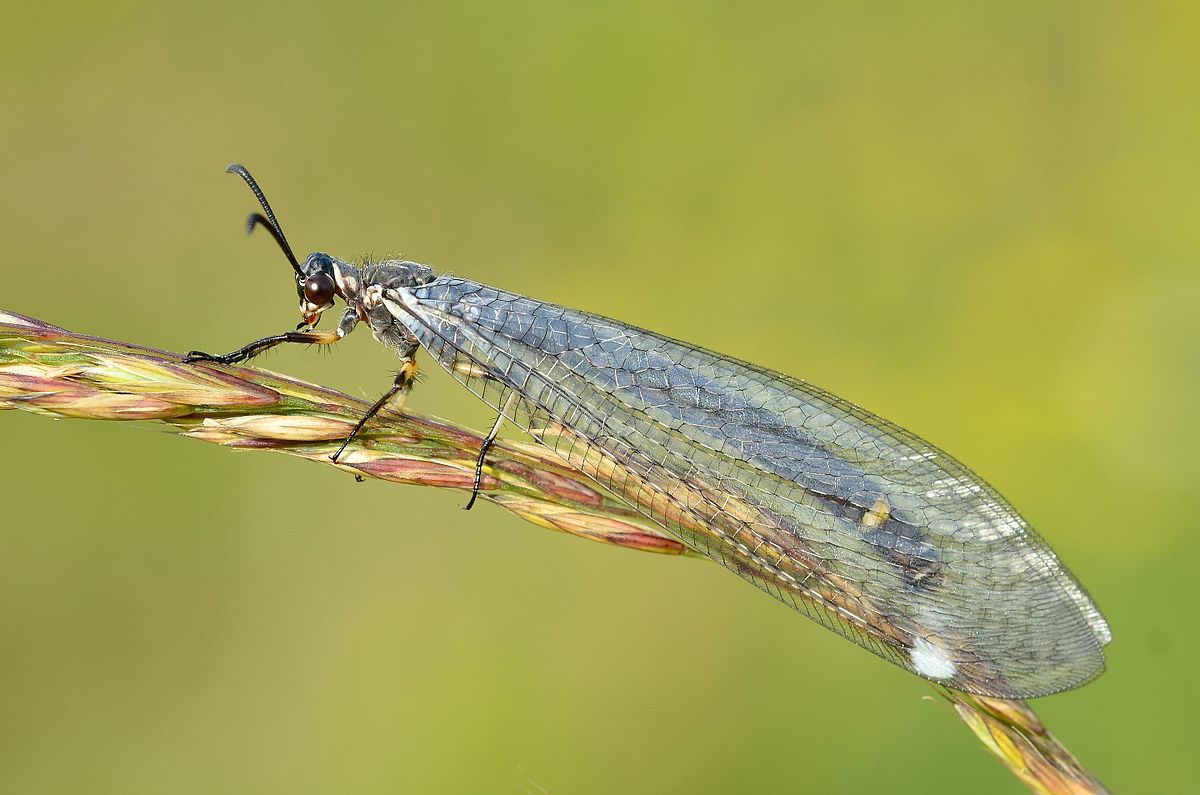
[[978, 220]]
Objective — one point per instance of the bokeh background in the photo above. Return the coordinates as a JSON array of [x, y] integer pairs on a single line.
[[979, 220]]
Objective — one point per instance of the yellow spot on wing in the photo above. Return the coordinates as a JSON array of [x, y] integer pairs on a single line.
[[878, 514]]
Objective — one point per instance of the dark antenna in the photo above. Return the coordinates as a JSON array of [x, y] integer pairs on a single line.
[[269, 223]]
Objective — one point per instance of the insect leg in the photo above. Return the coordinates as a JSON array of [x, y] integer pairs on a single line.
[[252, 349], [401, 386], [483, 451]]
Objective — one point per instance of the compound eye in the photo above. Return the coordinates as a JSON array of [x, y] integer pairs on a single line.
[[319, 289]]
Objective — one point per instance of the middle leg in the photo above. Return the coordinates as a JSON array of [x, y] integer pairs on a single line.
[[400, 386]]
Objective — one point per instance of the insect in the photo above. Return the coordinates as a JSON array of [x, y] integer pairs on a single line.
[[849, 519]]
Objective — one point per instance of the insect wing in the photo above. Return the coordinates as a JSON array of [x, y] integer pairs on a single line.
[[849, 519]]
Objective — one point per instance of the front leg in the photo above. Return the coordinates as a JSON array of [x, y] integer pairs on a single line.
[[250, 350]]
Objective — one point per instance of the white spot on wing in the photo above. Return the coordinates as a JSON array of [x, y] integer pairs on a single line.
[[931, 660]]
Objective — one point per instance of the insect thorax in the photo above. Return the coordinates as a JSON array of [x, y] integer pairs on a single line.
[[375, 279], [396, 273]]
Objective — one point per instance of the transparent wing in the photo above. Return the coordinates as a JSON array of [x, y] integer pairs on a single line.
[[849, 519]]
